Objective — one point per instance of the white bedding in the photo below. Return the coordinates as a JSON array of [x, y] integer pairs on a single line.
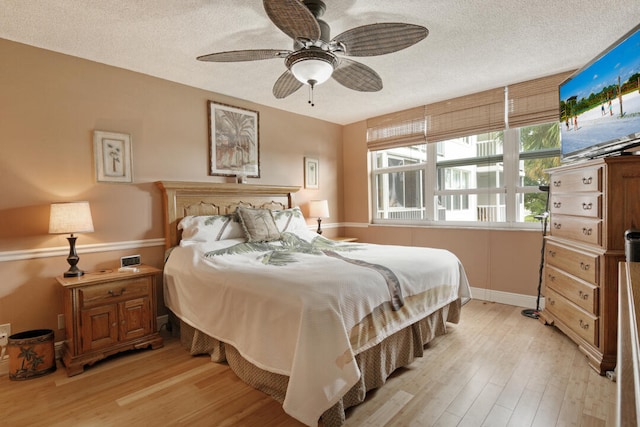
[[291, 312]]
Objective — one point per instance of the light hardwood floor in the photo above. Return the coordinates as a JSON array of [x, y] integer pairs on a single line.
[[495, 368]]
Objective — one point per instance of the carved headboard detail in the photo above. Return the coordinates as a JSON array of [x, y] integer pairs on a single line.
[[205, 198]]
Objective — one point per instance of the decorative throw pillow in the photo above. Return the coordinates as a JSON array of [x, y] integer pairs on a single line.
[[258, 224], [208, 228]]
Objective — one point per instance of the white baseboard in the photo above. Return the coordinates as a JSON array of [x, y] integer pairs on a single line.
[[162, 321], [518, 300]]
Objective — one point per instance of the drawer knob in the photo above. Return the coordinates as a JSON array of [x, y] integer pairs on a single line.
[[583, 295], [587, 206], [584, 325], [557, 225], [586, 231], [584, 266], [587, 180], [557, 204], [557, 183], [115, 294], [552, 253], [552, 302], [552, 277]]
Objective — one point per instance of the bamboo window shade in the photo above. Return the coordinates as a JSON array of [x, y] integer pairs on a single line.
[[531, 102], [407, 127], [467, 115], [535, 101]]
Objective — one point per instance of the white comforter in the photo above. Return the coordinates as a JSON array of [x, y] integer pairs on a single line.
[[290, 312]]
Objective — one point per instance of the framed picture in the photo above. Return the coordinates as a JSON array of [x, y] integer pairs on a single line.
[[234, 146], [112, 152], [311, 176]]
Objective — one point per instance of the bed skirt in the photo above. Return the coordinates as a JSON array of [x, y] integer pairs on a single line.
[[375, 363]]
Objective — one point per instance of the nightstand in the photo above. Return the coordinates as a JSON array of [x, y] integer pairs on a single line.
[[344, 239], [107, 312]]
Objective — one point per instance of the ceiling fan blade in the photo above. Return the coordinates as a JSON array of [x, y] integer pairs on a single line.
[[357, 76], [293, 18], [244, 55], [379, 39], [286, 85]]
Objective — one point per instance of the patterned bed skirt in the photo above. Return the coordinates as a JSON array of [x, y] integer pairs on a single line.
[[375, 363]]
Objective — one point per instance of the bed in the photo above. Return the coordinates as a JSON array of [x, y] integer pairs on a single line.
[[312, 322]]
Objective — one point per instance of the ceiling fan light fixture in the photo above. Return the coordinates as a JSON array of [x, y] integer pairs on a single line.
[[311, 66]]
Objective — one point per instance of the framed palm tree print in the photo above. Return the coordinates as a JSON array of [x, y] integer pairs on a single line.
[[112, 153], [234, 146]]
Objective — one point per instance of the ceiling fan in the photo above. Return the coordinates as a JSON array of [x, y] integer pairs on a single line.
[[315, 57]]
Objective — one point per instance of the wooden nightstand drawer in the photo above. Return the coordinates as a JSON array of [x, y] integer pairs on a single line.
[[582, 323], [583, 265], [579, 229], [115, 291], [583, 294]]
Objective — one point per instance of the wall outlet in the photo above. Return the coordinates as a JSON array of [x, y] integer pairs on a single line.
[[60, 321], [5, 332]]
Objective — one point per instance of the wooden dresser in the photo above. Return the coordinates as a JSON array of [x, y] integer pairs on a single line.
[[592, 203], [108, 312]]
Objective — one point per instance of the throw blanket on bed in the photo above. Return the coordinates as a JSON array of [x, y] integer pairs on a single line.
[[291, 307]]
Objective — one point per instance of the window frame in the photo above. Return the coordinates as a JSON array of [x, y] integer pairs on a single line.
[[511, 190]]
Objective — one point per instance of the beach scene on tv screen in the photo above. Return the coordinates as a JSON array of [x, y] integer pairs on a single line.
[[601, 103]]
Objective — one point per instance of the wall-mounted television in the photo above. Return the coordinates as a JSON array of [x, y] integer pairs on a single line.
[[600, 103]]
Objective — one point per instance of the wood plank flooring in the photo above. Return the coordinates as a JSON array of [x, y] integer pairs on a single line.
[[495, 368]]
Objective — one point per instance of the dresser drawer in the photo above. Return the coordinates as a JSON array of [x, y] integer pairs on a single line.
[[582, 323], [588, 205], [583, 294], [574, 228], [115, 291], [588, 179], [583, 265]]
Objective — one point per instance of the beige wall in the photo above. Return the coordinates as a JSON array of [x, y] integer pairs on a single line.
[[50, 104], [496, 260]]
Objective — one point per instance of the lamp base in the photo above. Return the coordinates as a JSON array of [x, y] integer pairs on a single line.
[[531, 312], [319, 230], [73, 259], [73, 272]]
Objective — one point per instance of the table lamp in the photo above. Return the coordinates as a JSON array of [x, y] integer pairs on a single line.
[[73, 217], [319, 209]]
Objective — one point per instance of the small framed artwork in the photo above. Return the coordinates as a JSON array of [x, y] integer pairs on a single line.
[[234, 146], [311, 173], [112, 152]]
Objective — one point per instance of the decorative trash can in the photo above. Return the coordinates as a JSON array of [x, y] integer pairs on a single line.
[[632, 245], [31, 354]]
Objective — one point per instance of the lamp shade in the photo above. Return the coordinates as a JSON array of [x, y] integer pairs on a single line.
[[319, 209], [73, 217]]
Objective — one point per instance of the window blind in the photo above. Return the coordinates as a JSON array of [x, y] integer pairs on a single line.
[[535, 101], [407, 127], [529, 103], [467, 115]]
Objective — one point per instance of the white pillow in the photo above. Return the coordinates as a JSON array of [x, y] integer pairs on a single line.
[[208, 228], [292, 221]]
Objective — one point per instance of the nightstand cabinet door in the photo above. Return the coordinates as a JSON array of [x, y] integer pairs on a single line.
[[99, 327], [135, 318]]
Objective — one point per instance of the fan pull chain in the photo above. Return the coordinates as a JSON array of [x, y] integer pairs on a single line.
[[312, 83]]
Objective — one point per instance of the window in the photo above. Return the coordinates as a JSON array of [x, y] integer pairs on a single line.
[[492, 177]]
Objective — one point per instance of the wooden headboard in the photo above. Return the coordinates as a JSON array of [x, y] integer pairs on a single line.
[[205, 198]]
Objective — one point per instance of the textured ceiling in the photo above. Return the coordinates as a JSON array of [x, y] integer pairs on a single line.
[[473, 45]]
